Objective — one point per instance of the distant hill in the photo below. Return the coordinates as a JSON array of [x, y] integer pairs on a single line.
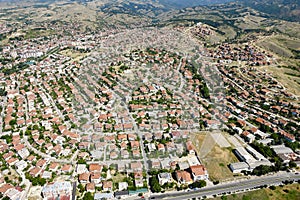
[[284, 9], [167, 3], [191, 3]]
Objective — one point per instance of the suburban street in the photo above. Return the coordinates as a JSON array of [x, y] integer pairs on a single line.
[[242, 185]]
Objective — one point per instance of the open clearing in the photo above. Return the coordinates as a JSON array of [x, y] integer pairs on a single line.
[[217, 162], [220, 140], [290, 82], [234, 141], [216, 159], [118, 178], [288, 192], [75, 55]]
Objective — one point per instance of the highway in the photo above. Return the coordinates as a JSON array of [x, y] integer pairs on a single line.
[[242, 185]]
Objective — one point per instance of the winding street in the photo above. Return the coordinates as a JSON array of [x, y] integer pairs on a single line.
[[43, 155]]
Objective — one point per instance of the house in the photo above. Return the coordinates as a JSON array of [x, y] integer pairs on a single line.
[[138, 179], [96, 177], [135, 144], [121, 167], [84, 178], [35, 171], [183, 177], [21, 165], [164, 178], [6, 187], [124, 154], [170, 146], [81, 168], [136, 153], [155, 164], [90, 187], [41, 163], [94, 167], [66, 168], [151, 147], [199, 172], [58, 190], [248, 136], [107, 185], [161, 147], [136, 166], [190, 147], [122, 137], [47, 175], [132, 137], [113, 155]]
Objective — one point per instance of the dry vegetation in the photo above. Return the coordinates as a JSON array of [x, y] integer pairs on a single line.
[[282, 74], [217, 162], [74, 55], [280, 45], [217, 159]]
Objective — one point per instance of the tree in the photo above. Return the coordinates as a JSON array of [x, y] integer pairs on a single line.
[[198, 184], [81, 188], [81, 161], [88, 196], [262, 170], [224, 197], [292, 164], [13, 122], [154, 184], [272, 187]]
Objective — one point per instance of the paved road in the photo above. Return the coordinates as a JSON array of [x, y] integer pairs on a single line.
[[46, 156], [230, 187], [74, 190], [52, 102], [270, 113], [27, 184]]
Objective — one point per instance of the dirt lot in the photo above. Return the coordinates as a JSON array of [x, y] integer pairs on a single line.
[[215, 159], [75, 55], [217, 162]]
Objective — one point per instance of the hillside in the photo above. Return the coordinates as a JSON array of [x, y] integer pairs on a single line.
[[284, 9]]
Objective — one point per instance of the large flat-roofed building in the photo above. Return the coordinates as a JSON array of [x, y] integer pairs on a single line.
[[281, 149], [257, 163], [243, 154], [238, 167], [249, 158], [255, 154]]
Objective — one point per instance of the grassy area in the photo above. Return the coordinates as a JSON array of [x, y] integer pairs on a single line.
[[32, 33], [282, 75], [288, 192], [118, 178], [280, 44], [75, 55], [217, 159], [217, 162]]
